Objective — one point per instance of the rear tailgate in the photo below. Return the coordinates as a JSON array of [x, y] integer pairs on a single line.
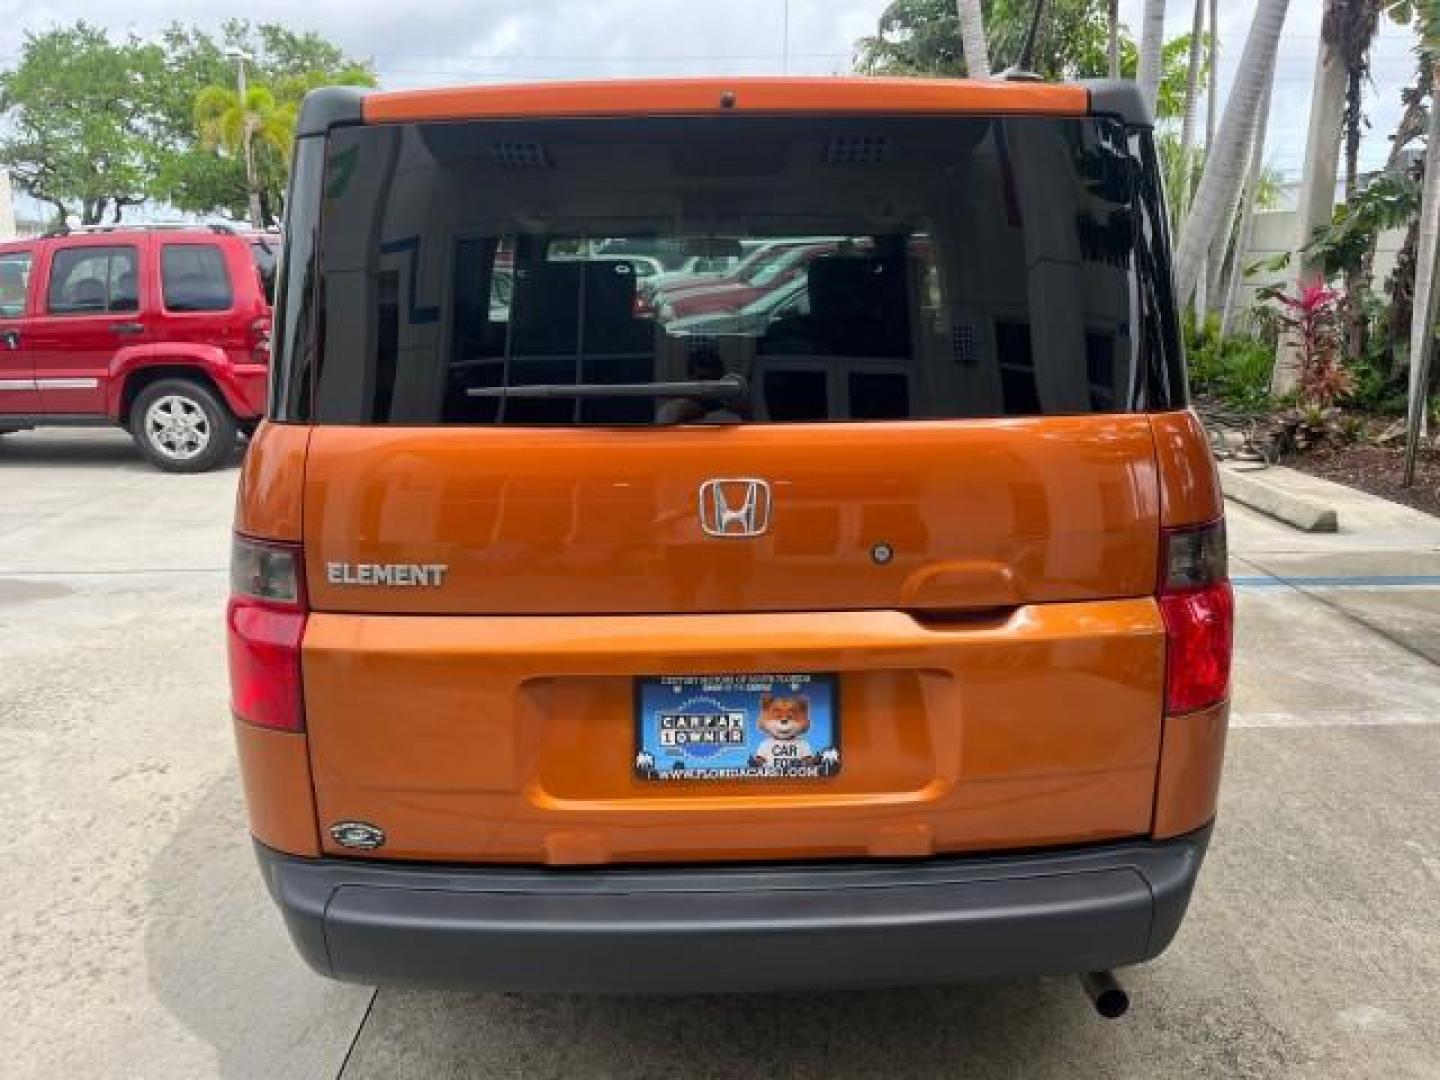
[[941, 421], [999, 676]]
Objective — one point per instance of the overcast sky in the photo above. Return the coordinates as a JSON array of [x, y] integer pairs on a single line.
[[451, 41]]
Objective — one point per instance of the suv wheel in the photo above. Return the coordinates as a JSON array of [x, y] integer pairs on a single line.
[[180, 426]]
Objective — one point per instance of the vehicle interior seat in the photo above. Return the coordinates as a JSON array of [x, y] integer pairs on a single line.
[[859, 305], [126, 295]]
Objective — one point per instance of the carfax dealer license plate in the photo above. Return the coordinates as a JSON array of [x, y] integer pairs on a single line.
[[737, 727]]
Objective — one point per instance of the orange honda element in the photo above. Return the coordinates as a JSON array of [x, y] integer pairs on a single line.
[[866, 624]]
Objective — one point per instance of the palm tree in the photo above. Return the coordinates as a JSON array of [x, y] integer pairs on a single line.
[[227, 123], [1152, 46], [1226, 163], [1356, 23], [1422, 315], [1212, 73], [1254, 182], [1192, 90], [1210, 272], [972, 38]]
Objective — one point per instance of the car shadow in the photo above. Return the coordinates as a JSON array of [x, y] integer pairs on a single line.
[[218, 960], [217, 957], [1037, 1029], [68, 447]]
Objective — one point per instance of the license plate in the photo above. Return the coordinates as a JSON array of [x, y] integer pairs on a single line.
[[737, 727]]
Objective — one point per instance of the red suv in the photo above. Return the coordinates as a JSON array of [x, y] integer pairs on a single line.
[[164, 331]]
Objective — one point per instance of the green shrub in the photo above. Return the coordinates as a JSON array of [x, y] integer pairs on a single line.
[[1235, 370]]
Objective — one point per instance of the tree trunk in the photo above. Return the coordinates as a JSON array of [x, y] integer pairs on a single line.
[[251, 181], [1212, 84], [1226, 163], [1401, 287], [972, 39], [1187, 124], [1229, 234], [1401, 283], [1316, 207], [1114, 39], [1422, 315], [1026, 61], [1210, 272], [1246, 235], [1152, 44]]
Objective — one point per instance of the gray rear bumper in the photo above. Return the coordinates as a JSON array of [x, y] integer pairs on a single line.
[[712, 929]]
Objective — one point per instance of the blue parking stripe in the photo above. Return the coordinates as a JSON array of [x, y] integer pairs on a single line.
[[1357, 581]]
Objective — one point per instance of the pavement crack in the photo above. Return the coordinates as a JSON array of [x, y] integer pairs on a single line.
[[354, 1039]]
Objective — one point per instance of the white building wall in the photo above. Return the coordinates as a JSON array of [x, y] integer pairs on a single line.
[[7, 208], [1275, 232]]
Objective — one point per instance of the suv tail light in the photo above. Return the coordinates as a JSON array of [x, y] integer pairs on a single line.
[[1199, 612], [260, 341], [265, 623]]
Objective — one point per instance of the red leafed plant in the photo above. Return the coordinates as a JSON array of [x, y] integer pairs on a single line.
[[1315, 319]]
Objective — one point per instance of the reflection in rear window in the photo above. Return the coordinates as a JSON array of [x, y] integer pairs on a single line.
[[960, 267]]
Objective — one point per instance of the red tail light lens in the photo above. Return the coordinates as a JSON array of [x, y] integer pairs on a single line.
[[260, 341], [265, 623], [1199, 612]]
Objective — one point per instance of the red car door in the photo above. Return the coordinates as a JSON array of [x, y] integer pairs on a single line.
[[18, 395], [93, 298]]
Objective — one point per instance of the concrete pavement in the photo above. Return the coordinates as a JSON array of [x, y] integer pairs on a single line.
[[140, 942]]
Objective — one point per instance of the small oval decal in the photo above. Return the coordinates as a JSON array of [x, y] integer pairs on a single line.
[[357, 834]]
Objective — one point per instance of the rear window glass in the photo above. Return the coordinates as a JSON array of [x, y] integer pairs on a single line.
[[267, 256], [89, 280], [194, 278], [734, 269]]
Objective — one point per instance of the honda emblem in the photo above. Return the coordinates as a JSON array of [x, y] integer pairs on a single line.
[[734, 508]]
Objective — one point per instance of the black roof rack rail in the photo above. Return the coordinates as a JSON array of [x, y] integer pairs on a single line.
[[222, 227]]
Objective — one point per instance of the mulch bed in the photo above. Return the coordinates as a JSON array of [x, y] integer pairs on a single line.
[[1377, 470]]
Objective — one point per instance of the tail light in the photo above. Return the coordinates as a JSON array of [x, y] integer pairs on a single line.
[[1199, 612], [265, 623], [260, 341]]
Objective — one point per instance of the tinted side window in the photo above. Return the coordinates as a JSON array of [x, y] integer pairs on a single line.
[[296, 296], [14, 280], [193, 278], [88, 280], [1161, 348]]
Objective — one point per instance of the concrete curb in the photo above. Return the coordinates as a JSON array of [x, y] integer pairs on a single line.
[[1255, 490]]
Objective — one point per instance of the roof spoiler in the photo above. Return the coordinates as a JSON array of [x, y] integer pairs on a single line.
[[1120, 98], [337, 106], [330, 106]]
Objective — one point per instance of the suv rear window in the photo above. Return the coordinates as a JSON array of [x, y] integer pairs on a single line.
[[265, 254], [194, 278], [835, 269]]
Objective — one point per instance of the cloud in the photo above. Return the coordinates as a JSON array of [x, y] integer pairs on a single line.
[[456, 41]]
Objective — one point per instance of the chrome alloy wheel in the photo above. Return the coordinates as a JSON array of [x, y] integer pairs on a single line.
[[177, 427]]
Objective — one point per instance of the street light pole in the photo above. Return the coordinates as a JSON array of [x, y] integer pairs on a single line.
[[240, 56]]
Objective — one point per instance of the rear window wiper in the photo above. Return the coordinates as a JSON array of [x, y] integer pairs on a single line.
[[729, 388]]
